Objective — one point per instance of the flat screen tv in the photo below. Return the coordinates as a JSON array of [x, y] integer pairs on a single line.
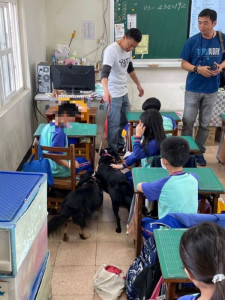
[[73, 78]]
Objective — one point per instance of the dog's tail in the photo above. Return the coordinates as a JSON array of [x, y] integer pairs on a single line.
[[56, 223]]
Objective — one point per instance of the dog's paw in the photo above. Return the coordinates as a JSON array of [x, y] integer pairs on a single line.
[[84, 236], [65, 237], [118, 230]]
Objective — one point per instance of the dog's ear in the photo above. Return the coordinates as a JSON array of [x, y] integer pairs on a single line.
[[103, 151]]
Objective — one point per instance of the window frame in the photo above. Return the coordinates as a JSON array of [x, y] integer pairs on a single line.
[[12, 47]]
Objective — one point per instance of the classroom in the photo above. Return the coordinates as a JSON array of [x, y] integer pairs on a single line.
[[45, 47]]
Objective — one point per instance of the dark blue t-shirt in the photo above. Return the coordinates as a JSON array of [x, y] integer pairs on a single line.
[[202, 52]]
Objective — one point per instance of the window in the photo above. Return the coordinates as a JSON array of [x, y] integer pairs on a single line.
[[11, 80]]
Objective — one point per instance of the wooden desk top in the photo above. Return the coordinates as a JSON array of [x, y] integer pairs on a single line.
[[76, 130], [134, 116], [208, 181], [191, 142], [167, 244]]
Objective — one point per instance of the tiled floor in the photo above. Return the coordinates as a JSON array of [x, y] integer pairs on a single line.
[[74, 263]]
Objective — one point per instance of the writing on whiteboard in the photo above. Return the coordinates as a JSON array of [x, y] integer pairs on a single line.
[[177, 6]]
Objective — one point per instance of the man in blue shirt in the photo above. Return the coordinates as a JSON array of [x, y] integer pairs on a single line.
[[202, 57], [179, 191]]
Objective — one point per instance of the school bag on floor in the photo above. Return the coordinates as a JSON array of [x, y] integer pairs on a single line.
[[145, 266], [109, 282]]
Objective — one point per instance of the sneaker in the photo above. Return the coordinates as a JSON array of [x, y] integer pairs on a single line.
[[201, 160]]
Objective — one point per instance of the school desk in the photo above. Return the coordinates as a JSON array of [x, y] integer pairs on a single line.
[[208, 184], [133, 117], [167, 244], [50, 114], [79, 130], [191, 142]]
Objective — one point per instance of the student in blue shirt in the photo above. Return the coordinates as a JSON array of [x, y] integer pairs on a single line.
[[202, 253], [154, 103], [202, 57], [179, 191], [53, 135], [151, 127]]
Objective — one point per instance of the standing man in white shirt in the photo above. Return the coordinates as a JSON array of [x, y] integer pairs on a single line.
[[116, 64]]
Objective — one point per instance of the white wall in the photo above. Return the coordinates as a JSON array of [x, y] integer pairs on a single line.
[[63, 17], [17, 123]]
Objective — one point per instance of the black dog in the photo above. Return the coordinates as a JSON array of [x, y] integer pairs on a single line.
[[79, 204], [115, 183]]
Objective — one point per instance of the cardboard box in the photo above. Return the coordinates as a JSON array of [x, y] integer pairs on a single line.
[[211, 137]]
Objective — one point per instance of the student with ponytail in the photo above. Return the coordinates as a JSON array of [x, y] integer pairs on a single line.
[[203, 256]]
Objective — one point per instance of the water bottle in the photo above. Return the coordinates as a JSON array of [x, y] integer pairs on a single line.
[[53, 58]]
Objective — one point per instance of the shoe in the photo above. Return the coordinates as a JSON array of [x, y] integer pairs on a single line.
[[201, 160]]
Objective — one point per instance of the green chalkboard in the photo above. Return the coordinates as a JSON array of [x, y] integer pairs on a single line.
[[165, 21]]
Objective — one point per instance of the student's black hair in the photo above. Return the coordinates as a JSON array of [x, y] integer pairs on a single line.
[[153, 122], [135, 34], [151, 103], [212, 14], [176, 150], [202, 253], [67, 108]]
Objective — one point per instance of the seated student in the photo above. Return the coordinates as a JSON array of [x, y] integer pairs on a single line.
[[154, 103], [179, 191], [151, 128], [202, 253], [53, 135]]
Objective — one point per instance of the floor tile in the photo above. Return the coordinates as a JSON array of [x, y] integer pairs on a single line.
[[76, 253], [107, 232], [72, 280], [115, 253], [76, 297], [53, 247]]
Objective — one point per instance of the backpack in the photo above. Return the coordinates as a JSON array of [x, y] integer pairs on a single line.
[[222, 74], [145, 265]]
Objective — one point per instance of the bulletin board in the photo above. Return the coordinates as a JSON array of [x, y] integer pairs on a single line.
[[163, 23]]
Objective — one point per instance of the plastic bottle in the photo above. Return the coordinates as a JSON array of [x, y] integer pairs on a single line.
[[54, 60]]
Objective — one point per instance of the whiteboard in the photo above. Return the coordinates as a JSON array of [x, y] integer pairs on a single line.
[[198, 5]]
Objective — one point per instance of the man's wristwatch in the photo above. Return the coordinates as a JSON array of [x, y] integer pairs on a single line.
[[196, 69]]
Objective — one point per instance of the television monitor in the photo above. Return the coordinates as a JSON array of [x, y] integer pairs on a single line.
[[73, 78]]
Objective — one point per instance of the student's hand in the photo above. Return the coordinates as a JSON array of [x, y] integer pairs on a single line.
[[118, 167], [77, 164], [107, 96], [139, 187], [141, 91], [140, 129]]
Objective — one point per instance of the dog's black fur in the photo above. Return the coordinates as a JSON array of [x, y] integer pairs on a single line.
[[115, 183], [79, 205]]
